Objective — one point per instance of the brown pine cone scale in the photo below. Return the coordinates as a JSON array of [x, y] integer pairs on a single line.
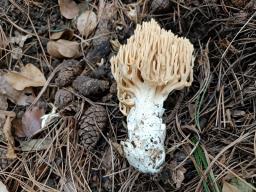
[[94, 119]]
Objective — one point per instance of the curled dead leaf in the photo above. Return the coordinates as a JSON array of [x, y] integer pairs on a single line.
[[66, 34], [229, 188], [63, 49], [68, 8], [24, 97], [86, 23], [9, 137], [29, 76], [30, 123]]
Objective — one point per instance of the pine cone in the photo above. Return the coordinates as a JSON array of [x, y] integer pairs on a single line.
[[90, 87], [71, 109], [93, 119], [71, 68], [63, 98]]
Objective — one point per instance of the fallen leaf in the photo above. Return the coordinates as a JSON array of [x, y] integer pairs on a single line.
[[3, 187], [229, 188], [63, 49], [35, 144], [29, 76], [24, 97], [86, 23], [68, 8], [9, 138], [241, 185], [17, 125], [31, 122], [66, 34]]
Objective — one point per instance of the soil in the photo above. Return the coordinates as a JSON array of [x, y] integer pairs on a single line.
[[210, 125]]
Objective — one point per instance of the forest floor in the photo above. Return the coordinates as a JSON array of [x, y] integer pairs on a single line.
[[60, 123]]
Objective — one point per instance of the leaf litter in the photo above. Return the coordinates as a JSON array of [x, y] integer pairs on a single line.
[[80, 38]]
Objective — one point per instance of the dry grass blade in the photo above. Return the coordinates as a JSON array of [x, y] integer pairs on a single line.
[[3, 40]]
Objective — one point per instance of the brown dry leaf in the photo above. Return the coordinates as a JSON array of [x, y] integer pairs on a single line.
[[63, 49], [86, 23], [3, 187], [30, 123], [68, 8], [228, 187], [24, 97], [36, 144], [9, 138], [29, 76], [241, 185], [66, 34]]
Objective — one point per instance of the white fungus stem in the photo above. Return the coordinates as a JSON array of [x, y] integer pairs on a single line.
[[144, 148]]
